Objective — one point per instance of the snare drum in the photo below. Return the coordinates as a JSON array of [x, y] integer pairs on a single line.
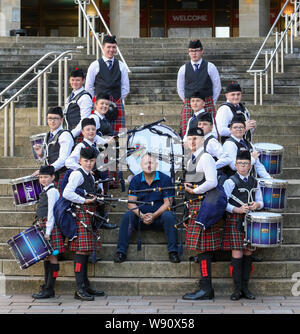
[[26, 190], [38, 147], [159, 145], [263, 229], [29, 247], [274, 194], [271, 157]]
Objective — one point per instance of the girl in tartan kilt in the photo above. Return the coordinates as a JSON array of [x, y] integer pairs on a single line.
[[233, 231], [45, 220], [86, 240], [59, 144], [197, 75], [201, 176]]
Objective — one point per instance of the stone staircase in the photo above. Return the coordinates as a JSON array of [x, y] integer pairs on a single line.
[[154, 64]]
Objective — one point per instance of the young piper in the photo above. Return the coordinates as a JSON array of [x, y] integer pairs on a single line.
[[78, 105], [237, 142], [233, 107], [197, 102], [233, 230], [201, 173], [86, 241], [45, 219], [59, 144]]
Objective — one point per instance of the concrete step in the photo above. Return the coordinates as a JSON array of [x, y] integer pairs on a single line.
[[148, 286]]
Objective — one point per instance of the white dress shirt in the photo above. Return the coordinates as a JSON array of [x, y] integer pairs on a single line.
[[215, 149], [231, 149], [76, 179], [66, 143], [206, 165], [73, 160], [197, 113], [229, 185], [93, 70], [213, 74], [53, 196], [223, 119], [85, 104]]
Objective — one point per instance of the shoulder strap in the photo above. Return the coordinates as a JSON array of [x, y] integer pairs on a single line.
[[206, 142], [78, 96]]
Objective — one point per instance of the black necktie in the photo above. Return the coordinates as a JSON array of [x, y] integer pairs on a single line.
[[244, 143], [51, 136], [193, 158], [110, 65]]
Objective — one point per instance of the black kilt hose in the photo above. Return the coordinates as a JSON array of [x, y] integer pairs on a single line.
[[85, 241], [233, 238], [56, 237], [198, 239]]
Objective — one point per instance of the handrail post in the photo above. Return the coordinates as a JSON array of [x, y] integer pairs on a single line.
[[60, 82], [65, 79], [6, 130], [39, 101], [88, 36], [282, 54], [12, 128], [286, 36], [79, 21], [276, 55], [85, 23], [45, 78], [97, 48], [255, 88], [93, 37], [260, 88], [295, 32], [266, 76], [272, 77], [292, 37]]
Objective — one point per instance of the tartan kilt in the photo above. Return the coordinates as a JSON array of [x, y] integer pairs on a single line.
[[233, 238], [85, 241], [78, 139], [198, 239], [58, 182], [187, 112], [56, 237], [119, 123]]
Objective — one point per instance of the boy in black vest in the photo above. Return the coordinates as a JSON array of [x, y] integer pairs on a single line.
[[109, 75], [103, 126], [231, 108], [78, 105], [197, 75], [58, 144], [233, 231], [45, 219], [86, 241]]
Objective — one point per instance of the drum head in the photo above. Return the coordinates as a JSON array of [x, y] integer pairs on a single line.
[[159, 145], [273, 182], [264, 215], [268, 147]]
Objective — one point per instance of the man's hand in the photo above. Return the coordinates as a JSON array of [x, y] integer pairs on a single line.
[[254, 206], [187, 187], [242, 209], [148, 218]]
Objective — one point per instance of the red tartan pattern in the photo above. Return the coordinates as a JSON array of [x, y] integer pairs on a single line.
[[85, 241], [187, 112], [119, 123], [78, 139], [56, 237], [198, 239], [57, 183], [233, 239]]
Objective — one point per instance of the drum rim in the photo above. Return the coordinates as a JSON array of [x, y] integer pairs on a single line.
[[38, 135], [23, 179], [276, 216], [277, 182], [280, 148]]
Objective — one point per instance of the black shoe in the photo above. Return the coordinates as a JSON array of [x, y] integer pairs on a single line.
[[237, 295], [174, 258], [83, 295], [256, 258], [44, 294], [119, 257], [199, 295], [93, 292], [108, 226], [247, 294], [91, 260]]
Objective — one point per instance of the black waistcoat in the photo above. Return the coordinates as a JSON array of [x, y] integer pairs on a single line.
[[239, 184], [42, 207]]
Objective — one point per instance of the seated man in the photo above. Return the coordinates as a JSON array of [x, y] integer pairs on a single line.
[[156, 217]]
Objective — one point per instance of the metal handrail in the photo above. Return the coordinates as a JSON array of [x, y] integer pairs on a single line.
[[9, 136], [269, 63], [25, 73], [82, 10]]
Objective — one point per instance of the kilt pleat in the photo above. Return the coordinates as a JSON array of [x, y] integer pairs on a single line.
[[198, 239], [119, 123], [85, 241], [56, 237]]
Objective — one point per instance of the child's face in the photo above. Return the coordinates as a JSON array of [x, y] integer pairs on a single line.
[[102, 106], [109, 50], [89, 132], [243, 166], [194, 142], [87, 164], [45, 180], [206, 127], [76, 82], [234, 97], [197, 103], [238, 130], [54, 121]]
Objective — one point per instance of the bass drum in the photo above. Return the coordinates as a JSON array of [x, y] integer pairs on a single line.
[[157, 140]]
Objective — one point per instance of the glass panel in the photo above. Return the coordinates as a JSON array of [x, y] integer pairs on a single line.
[[157, 18], [222, 4], [222, 32], [235, 4], [143, 4], [222, 18], [157, 4]]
